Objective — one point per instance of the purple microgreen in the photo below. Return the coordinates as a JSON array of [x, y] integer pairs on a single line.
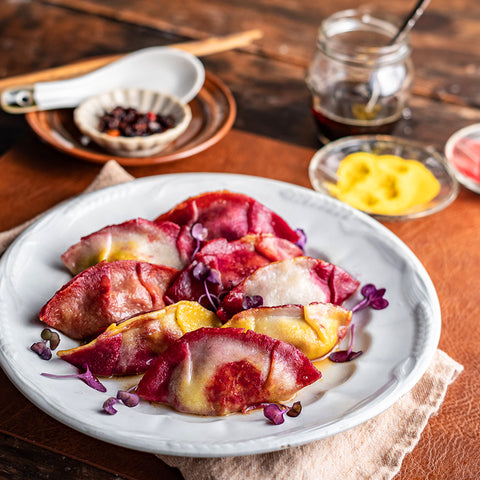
[[346, 355], [204, 274], [127, 398], [108, 405], [253, 301], [51, 337], [302, 241], [86, 377], [200, 234], [213, 276], [373, 298], [275, 412], [201, 271], [295, 410], [212, 298], [41, 349]]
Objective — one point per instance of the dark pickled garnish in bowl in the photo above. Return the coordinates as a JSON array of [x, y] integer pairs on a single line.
[[128, 122]]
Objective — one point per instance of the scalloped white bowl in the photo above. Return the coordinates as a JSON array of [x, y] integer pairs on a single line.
[[87, 116]]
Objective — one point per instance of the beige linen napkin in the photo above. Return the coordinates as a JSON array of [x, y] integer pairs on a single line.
[[373, 450]]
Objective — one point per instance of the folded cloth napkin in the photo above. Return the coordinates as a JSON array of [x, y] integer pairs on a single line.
[[373, 450]]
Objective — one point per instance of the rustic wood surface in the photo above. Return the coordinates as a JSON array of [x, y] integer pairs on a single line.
[[274, 137]]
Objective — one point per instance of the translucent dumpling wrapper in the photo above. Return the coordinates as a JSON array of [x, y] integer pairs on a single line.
[[233, 261], [217, 371], [228, 215], [314, 329], [107, 293], [130, 347], [139, 239], [296, 281]]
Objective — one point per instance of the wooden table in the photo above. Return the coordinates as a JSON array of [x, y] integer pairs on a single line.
[[273, 137]]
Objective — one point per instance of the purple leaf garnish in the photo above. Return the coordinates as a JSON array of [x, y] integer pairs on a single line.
[[372, 298], [204, 273], [41, 349], [295, 410], [253, 301], [51, 337], [127, 398], [302, 241], [275, 412], [345, 355], [86, 377], [108, 405], [200, 234]]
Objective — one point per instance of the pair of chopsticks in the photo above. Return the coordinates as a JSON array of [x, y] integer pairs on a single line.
[[198, 48]]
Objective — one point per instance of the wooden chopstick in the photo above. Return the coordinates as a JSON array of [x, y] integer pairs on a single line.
[[198, 48]]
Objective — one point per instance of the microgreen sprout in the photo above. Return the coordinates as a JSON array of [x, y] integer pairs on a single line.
[[253, 301], [373, 298], [86, 377], [41, 348], [200, 234], [205, 274], [275, 412], [126, 397], [302, 241], [346, 355]]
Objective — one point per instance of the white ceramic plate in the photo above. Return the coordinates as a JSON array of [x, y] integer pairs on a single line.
[[398, 342]]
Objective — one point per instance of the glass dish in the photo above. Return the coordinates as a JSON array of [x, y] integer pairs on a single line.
[[462, 151], [324, 165]]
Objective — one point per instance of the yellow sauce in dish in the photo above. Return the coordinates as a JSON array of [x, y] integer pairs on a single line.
[[383, 184]]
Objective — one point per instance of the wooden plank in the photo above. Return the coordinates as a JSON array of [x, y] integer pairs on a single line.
[[291, 29]]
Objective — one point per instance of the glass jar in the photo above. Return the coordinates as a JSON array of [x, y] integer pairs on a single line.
[[359, 83]]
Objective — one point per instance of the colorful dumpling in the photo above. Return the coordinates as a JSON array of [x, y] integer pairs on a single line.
[[130, 347], [139, 239], [216, 371], [228, 215], [107, 293], [314, 329], [296, 281], [233, 261]]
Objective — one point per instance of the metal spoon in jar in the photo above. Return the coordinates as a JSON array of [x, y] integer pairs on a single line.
[[410, 21]]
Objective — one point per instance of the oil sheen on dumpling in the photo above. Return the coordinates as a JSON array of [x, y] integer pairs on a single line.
[[107, 293], [137, 239], [296, 281], [129, 348], [216, 371], [314, 329]]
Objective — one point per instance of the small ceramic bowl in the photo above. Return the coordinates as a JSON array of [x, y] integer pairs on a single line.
[[88, 114], [462, 151], [325, 163]]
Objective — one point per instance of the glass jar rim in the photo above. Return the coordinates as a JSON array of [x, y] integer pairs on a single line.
[[367, 20]]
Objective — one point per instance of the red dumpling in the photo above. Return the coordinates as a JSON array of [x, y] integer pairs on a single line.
[[296, 281], [226, 215], [107, 293], [139, 239], [233, 261], [216, 371]]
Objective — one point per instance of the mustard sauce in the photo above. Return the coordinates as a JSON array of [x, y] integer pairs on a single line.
[[383, 184]]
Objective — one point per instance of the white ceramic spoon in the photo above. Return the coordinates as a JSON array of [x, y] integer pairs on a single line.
[[163, 69]]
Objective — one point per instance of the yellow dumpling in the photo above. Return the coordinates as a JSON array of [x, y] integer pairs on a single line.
[[314, 329]]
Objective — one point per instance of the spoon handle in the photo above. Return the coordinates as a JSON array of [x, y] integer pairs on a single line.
[[197, 48], [410, 21]]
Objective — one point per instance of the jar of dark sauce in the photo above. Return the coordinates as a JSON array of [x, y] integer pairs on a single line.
[[359, 83]]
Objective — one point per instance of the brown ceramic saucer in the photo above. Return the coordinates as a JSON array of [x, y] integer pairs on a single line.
[[213, 114]]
